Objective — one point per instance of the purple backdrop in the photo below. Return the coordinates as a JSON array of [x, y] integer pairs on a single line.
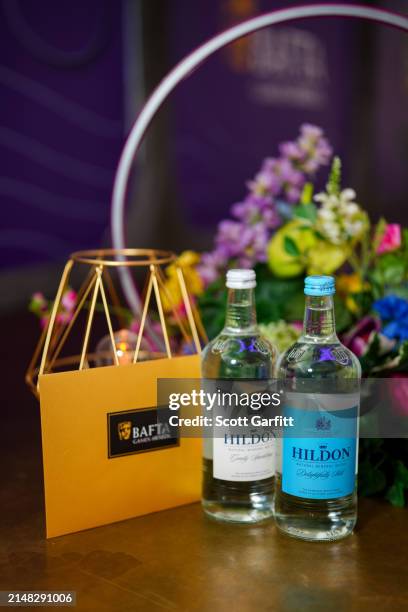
[[60, 127], [234, 110]]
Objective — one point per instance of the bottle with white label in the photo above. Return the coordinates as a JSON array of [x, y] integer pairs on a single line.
[[315, 496], [238, 467]]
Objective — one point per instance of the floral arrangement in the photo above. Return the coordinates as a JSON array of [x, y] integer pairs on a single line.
[[285, 230]]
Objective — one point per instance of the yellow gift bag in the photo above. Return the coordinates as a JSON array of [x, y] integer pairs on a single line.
[[105, 458]]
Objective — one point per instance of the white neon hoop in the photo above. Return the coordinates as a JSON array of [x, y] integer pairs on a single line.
[[183, 70]]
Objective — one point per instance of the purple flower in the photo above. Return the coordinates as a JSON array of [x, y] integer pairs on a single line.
[[298, 160], [310, 131], [291, 150], [258, 240], [243, 241], [247, 211], [271, 218], [232, 237], [267, 181], [256, 208], [289, 174], [210, 266], [315, 147]]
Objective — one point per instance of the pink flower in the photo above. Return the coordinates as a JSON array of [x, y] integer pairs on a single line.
[[69, 300], [298, 325], [63, 318], [391, 239], [398, 390]]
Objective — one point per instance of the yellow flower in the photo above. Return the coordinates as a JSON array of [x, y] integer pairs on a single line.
[[325, 258], [315, 255], [280, 261], [187, 261], [347, 284]]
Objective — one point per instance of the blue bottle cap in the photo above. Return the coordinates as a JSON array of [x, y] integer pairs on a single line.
[[320, 285]]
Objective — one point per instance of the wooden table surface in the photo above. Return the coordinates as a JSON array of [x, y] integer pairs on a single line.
[[178, 559]]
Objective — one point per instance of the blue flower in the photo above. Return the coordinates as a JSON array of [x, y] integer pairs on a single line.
[[393, 311], [391, 308]]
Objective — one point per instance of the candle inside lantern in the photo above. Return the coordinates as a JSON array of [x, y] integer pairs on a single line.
[[125, 344], [125, 351]]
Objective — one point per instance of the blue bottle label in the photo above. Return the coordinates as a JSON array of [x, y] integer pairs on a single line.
[[319, 453]]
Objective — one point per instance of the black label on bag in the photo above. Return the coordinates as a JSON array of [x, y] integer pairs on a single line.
[[139, 431]]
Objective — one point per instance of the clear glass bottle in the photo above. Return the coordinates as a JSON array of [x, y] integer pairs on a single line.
[[238, 352], [315, 488]]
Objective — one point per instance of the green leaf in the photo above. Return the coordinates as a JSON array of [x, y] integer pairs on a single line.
[[278, 298], [34, 308], [334, 183], [213, 320], [294, 308], [364, 301], [372, 466], [212, 307], [306, 212], [403, 359], [401, 473], [371, 358], [391, 269], [307, 193], [342, 315], [371, 479], [319, 235], [396, 495], [291, 247]]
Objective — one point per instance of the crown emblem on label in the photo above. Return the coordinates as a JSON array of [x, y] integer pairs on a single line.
[[323, 424]]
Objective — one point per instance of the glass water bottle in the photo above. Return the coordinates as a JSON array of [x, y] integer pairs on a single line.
[[315, 494], [230, 492]]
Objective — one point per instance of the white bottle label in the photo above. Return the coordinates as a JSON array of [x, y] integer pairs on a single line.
[[244, 457]]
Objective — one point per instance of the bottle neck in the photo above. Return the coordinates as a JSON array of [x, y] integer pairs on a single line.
[[319, 323], [241, 314]]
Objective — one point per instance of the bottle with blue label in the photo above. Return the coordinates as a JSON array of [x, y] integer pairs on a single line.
[[316, 477]]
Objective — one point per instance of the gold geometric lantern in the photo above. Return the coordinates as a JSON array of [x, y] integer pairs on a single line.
[[97, 286]]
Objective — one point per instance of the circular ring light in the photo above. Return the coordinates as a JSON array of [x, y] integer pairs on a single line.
[[184, 69]]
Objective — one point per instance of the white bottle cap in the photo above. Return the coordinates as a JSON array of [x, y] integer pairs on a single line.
[[241, 279]]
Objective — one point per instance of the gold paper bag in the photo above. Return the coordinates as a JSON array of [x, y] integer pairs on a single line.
[[106, 457], [84, 487]]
